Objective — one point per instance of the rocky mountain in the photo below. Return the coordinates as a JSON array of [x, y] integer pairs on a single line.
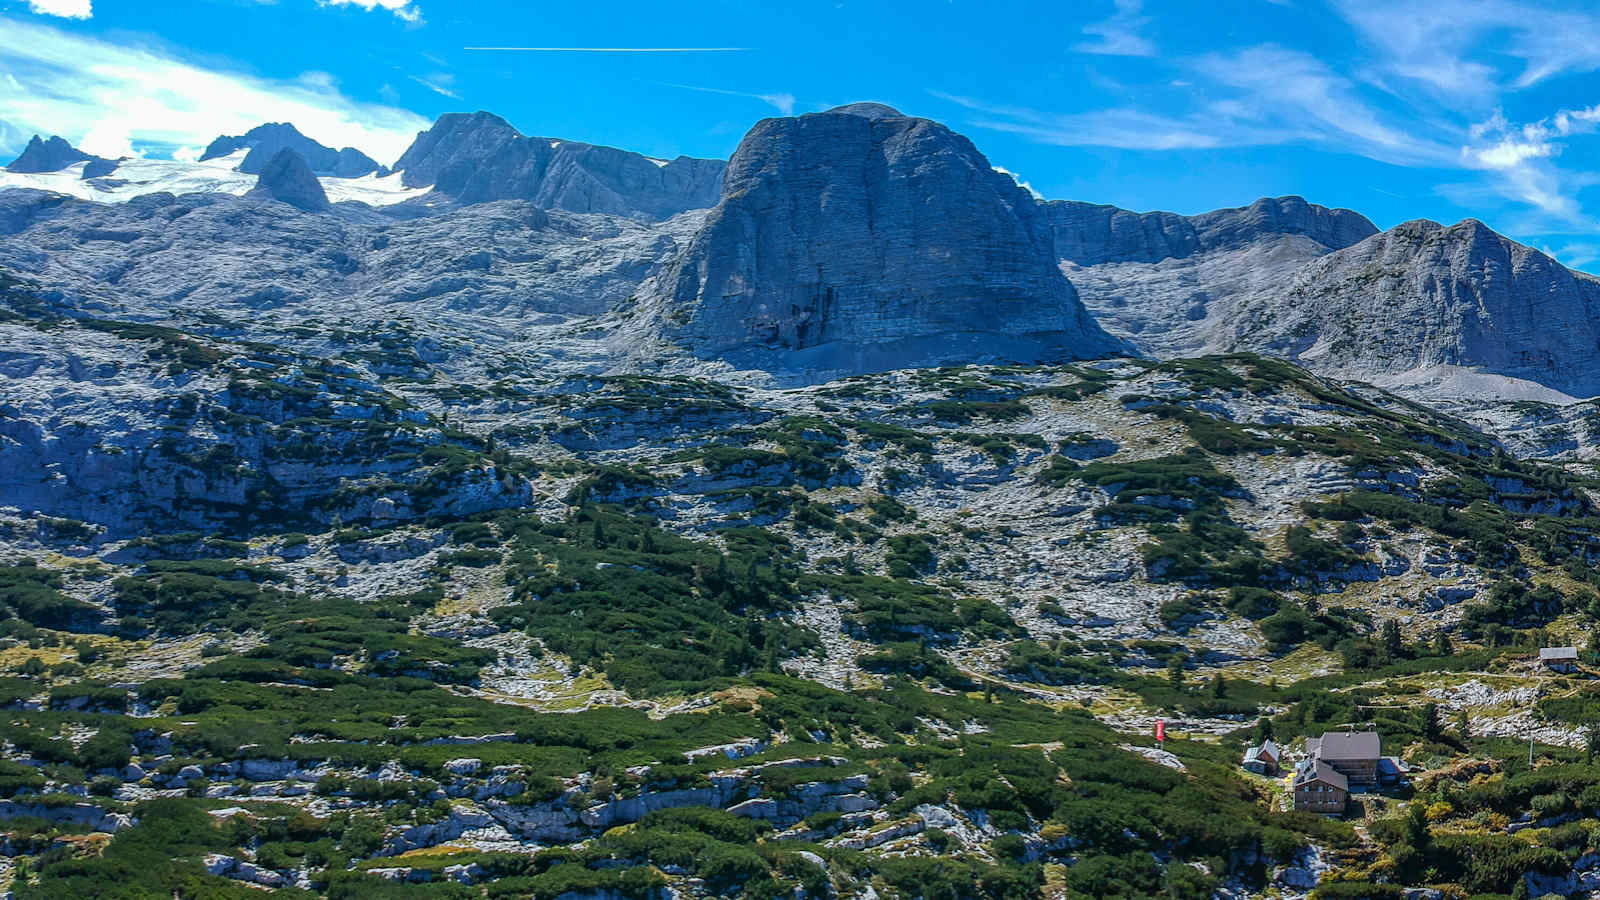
[[56, 154], [1423, 295], [436, 544], [861, 239], [266, 141], [287, 177], [479, 157], [1169, 283]]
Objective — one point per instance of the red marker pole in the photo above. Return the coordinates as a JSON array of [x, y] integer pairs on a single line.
[[1161, 731]]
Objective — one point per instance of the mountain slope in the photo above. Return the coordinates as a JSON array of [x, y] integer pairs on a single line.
[[1169, 283], [860, 239], [1423, 295]]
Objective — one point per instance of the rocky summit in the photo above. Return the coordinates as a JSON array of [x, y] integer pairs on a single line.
[[841, 523], [56, 154], [860, 239], [1423, 295], [288, 178]]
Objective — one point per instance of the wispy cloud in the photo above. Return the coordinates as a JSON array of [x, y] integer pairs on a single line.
[[615, 49], [783, 103], [1125, 129], [1295, 94], [110, 98], [1470, 50], [439, 82], [1261, 96], [403, 9], [66, 9], [1119, 35]]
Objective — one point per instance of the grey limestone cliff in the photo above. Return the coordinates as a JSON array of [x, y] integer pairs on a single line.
[[1421, 295], [861, 239]]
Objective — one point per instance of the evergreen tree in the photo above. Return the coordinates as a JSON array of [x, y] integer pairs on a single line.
[[1219, 686], [1175, 670], [1441, 644], [1430, 722], [1393, 644]]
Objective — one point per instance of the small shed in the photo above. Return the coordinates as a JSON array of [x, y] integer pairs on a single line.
[[1264, 759]]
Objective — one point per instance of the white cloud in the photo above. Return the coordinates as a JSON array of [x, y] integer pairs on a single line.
[[109, 97], [1119, 35], [402, 8], [1021, 183], [66, 9], [1520, 158]]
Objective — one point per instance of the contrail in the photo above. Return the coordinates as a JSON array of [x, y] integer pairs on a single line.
[[618, 49]]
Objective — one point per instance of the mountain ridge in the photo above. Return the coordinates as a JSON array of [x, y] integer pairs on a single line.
[[480, 157], [265, 141]]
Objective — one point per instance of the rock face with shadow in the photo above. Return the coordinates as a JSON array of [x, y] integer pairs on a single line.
[[861, 239]]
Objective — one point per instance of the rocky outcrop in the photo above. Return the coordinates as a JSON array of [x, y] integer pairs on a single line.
[[266, 141], [287, 178], [56, 154], [479, 157], [1423, 295], [859, 240]]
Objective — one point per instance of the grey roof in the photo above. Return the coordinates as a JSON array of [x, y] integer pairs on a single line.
[[1268, 748], [1546, 653], [1346, 745], [1316, 770]]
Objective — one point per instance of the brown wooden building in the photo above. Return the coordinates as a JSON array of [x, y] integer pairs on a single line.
[[1319, 788]]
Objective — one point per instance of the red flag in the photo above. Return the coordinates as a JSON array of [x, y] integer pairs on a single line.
[[1161, 731]]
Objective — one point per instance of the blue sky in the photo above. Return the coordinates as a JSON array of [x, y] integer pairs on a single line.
[[1400, 109]]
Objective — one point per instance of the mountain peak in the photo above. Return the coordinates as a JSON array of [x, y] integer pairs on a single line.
[[56, 154], [867, 110], [289, 179], [266, 140]]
